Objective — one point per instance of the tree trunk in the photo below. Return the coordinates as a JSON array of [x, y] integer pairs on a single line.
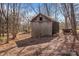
[[7, 24], [73, 21], [73, 24], [14, 22], [66, 24], [47, 9], [0, 28]]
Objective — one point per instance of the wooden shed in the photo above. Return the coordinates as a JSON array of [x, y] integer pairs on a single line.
[[42, 25]]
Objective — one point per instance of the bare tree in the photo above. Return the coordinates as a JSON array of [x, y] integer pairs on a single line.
[[64, 11], [73, 20], [7, 21], [0, 28], [14, 21], [47, 9]]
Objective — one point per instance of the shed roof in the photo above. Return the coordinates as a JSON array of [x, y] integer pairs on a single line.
[[48, 18]]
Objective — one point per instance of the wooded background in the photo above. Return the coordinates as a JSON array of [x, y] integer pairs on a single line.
[[15, 18]]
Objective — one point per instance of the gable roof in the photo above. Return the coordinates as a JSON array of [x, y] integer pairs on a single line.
[[48, 18]]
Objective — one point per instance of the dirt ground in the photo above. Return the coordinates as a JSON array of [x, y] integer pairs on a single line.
[[25, 45]]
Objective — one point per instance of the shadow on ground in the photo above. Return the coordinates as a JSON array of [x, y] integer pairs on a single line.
[[33, 41]]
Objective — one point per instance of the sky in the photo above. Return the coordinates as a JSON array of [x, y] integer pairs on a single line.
[[33, 9], [36, 5]]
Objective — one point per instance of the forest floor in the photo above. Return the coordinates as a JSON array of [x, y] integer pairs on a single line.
[[25, 45]]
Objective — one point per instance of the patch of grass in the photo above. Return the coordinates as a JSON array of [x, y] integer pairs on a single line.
[[2, 38]]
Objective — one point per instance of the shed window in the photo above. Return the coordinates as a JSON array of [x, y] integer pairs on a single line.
[[40, 18]]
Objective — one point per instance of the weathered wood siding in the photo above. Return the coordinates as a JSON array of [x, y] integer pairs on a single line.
[[43, 28], [55, 26]]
